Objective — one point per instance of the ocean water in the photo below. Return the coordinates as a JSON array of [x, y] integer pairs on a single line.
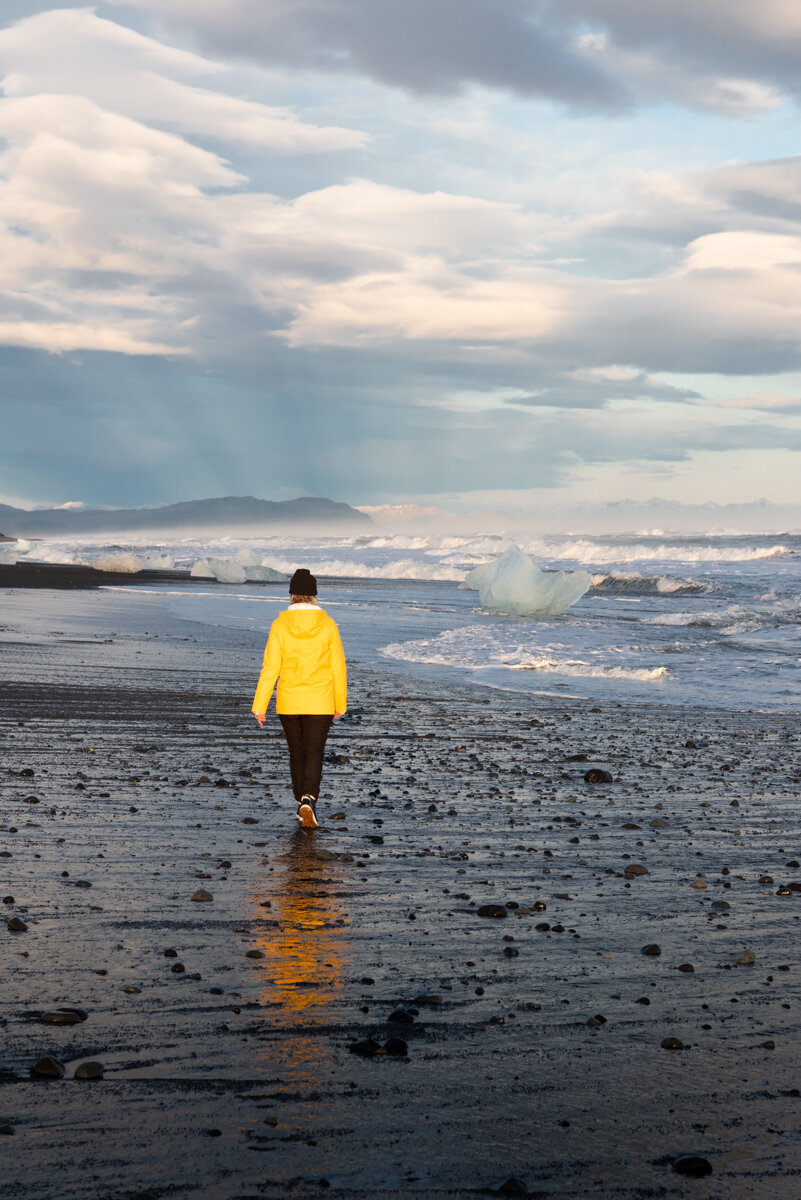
[[698, 620]]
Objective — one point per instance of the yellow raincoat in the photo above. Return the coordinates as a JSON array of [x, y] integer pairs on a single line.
[[304, 653]]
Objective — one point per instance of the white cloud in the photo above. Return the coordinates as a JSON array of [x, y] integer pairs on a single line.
[[75, 52]]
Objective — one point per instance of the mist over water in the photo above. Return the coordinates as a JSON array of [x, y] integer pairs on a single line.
[[678, 619]]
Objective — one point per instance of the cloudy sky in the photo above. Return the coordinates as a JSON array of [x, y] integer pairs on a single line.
[[465, 252]]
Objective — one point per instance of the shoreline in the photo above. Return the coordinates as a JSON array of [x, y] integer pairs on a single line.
[[519, 1064]]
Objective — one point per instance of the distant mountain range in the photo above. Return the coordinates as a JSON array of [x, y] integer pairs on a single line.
[[226, 512]]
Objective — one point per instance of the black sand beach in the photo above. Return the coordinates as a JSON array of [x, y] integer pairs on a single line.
[[522, 1052]]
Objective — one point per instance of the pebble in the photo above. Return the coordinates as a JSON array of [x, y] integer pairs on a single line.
[[15, 925], [201, 896], [49, 1067], [512, 1187], [747, 959], [596, 775], [492, 910], [10, 899], [366, 1049], [671, 1043], [60, 1017], [634, 869], [325, 855], [698, 883], [401, 1017], [254, 954], [652, 950], [688, 968], [89, 1070], [692, 1165], [396, 1047], [6, 1130], [271, 1121]]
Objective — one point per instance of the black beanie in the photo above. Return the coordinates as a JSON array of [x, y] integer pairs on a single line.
[[303, 583]]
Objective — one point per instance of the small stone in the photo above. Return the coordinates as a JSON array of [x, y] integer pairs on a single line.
[[493, 910], [747, 959], [59, 1018], [596, 775], [271, 1121], [401, 1017], [325, 855], [26, 772], [512, 1187], [170, 953], [31, 800], [49, 1067], [15, 925], [634, 869], [652, 950], [213, 1133], [201, 896], [671, 1043], [769, 1045], [250, 821], [89, 1070], [132, 991], [698, 883], [692, 1165], [511, 952], [396, 1047], [10, 899], [178, 968], [366, 1049], [6, 1131], [430, 999], [687, 968], [254, 954]]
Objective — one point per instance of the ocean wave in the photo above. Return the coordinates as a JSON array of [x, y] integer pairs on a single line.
[[647, 585], [401, 569], [586, 551], [735, 618], [476, 648]]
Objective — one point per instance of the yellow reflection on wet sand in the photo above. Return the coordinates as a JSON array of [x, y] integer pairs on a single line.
[[303, 960]]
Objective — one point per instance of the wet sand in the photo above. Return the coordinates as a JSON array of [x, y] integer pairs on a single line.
[[534, 1039]]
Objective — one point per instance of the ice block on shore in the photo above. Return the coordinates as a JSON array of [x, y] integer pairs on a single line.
[[515, 584]]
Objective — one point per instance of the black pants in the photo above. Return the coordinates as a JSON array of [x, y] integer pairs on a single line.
[[305, 737]]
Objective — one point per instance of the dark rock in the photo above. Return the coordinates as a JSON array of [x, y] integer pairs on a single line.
[[254, 954], [201, 896], [652, 950], [10, 899], [634, 869], [15, 925], [89, 1070], [170, 953], [367, 981], [401, 1017], [178, 968], [6, 1130], [692, 1165], [396, 1047], [428, 998], [366, 1049], [671, 1043], [512, 1187], [492, 910], [596, 775], [687, 968], [49, 1067], [60, 1017], [511, 952]]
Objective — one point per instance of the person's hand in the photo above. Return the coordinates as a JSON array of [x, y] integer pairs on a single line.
[[260, 717], [338, 715]]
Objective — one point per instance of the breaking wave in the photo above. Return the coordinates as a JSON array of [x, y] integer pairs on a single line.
[[647, 585]]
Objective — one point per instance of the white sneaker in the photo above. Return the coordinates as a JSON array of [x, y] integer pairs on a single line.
[[306, 814]]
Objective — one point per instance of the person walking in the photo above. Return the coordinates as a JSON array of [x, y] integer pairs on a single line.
[[304, 655]]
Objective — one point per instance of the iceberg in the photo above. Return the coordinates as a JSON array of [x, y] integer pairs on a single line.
[[124, 564], [261, 573], [202, 570], [226, 570], [479, 577], [515, 584]]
